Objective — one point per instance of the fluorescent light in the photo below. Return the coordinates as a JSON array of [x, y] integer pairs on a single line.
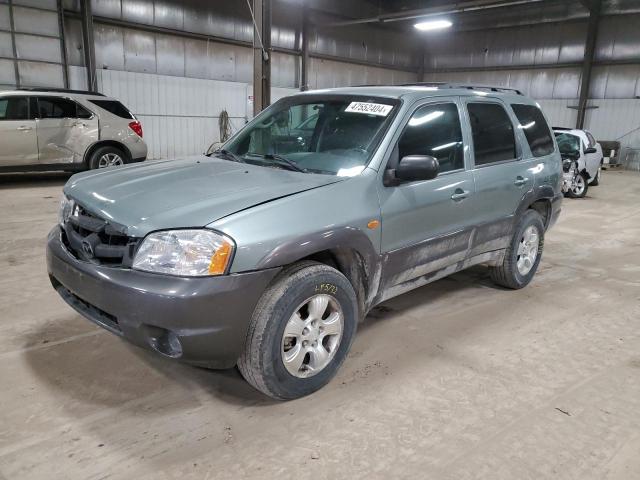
[[433, 25]]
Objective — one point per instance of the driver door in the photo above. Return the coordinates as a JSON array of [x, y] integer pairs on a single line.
[[427, 225]]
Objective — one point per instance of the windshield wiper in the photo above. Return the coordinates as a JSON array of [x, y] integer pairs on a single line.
[[285, 162], [229, 156]]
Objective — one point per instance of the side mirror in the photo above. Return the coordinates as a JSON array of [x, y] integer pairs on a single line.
[[590, 150], [417, 167]]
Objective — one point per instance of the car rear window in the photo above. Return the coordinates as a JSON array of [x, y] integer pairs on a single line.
[[535, 128], [115, 107]]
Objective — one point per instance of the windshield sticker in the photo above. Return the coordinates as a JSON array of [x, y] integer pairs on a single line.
[[369, 108]]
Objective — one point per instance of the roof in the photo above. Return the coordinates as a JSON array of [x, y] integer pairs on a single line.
[[53, 92], [421, 90]]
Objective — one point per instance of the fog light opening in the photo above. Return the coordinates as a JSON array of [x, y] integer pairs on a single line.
[[166, 342]]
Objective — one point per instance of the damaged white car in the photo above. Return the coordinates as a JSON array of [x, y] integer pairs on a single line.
[[581, 160]]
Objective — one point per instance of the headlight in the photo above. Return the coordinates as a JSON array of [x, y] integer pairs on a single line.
[[191, 253], [66, 208]]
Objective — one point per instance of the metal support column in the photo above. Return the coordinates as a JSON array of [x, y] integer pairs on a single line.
[[88, 44], [590, 47], [63, 44], [304, 59], [261, 55], [422, 53], [13, 45]]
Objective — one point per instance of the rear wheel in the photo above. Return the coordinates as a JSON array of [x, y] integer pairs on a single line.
[[522, 257], [300, 331], [107, 156]]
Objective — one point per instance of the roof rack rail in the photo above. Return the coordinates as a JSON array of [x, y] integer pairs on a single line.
[[59, 90], [464, 86]]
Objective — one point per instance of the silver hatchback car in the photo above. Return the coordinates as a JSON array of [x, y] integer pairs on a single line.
[[66, 130]]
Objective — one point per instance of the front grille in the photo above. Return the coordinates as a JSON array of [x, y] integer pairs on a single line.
[[96, 240]]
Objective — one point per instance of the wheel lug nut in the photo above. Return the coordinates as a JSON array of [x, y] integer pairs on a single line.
[[314, 323], [305, 343], [305, 331], [321, 328]]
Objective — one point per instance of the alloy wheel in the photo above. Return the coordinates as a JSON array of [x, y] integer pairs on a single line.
[[110, 160], [528, 250], [312, 336]]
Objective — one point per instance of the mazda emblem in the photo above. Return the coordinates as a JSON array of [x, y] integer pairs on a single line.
[[87, 248]]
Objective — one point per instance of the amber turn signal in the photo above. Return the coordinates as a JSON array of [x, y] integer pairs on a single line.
[[373, 224], [220, 259]]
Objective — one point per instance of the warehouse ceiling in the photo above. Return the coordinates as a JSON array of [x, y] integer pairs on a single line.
[[480, 14]]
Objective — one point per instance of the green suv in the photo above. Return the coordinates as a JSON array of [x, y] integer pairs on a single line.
[[267, 253]]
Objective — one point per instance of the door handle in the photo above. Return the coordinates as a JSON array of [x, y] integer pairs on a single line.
[[24, 128], [520, 181], [79, 124], [459, 194]]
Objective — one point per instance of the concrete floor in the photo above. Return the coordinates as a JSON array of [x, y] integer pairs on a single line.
[[456, 380]]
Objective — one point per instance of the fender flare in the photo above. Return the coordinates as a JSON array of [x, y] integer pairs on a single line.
[[352, 250]]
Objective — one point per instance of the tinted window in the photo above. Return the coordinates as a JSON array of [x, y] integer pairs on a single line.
[[52, 107], [535, 128], [82, 112], [115, 107], [14, 108], [434, 130], [493, 139]]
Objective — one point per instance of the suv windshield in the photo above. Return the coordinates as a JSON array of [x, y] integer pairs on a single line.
[[567, 143], [335, 137]]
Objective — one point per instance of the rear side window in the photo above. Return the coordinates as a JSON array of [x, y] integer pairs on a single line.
[[115, 107], [492, 130], [14, 108], [535, 128], [434, 130], [83, 112], [53, 107]]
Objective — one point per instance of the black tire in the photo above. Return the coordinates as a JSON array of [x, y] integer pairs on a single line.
[[94, 159], [596, 181], [571, 193], [261, 363], [507, 274]]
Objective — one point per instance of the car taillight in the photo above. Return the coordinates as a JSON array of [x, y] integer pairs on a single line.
[[136, 127]]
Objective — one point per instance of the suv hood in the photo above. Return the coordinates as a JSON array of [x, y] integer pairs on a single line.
[[190, 192]]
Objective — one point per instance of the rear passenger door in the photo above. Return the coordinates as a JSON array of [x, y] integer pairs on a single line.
[[500, 169], [65, 130], [426, 225]]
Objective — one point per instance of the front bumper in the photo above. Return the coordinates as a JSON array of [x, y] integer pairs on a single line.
[[202, 320]]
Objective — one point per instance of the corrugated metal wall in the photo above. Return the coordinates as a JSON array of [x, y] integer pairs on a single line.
[[148, 68], [544, 61], [35, 57], [177, 85]]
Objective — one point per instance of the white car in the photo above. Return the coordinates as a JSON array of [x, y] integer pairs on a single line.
[[582, 160], [52, 129]]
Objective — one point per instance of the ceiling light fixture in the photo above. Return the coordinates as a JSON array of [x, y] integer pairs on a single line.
[[433, 25]]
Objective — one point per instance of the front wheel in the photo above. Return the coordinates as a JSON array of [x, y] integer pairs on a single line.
[[579, 186], [300, 331], [522, 257]]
